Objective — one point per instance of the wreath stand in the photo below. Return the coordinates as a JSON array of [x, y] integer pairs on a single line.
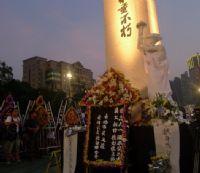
[[54, 160]]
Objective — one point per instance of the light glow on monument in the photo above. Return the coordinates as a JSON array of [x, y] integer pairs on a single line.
[[153, 18], [122, 52], [115, 42]]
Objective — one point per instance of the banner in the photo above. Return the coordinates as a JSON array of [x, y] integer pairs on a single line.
[[69, 153]]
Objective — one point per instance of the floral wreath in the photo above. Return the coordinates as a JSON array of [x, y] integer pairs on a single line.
[[9, 104], [71, 117], [9, 99], [40, 101], [42, 116]]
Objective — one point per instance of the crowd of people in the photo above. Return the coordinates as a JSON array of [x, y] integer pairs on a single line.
[[16, 136]]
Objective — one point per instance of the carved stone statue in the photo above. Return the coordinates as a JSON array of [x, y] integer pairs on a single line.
[[155, 62]]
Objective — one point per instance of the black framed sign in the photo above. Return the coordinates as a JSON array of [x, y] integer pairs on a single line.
[[106, 136]]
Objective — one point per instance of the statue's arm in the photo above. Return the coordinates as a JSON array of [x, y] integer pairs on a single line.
[[140, 44], [140, 26], [150, 48]]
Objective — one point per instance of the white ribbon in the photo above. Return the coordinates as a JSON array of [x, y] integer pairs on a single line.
[[69, 153]]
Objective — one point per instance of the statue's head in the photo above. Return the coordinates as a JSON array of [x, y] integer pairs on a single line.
[[153, 38]]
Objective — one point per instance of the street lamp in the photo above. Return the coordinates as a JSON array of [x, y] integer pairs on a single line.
[[69, 77]]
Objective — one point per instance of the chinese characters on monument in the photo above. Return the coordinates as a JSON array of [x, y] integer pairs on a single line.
[[126, 29]]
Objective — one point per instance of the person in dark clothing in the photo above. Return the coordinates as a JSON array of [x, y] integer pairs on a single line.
[[31, 132], [13, 141], [195, 128]]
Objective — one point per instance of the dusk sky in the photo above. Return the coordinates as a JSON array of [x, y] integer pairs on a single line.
[[73, 30]]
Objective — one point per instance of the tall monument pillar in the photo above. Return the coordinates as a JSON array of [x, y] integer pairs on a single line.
[[121, 18], [153, 18]]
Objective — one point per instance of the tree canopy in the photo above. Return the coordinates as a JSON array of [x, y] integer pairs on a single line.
[[6, 72]]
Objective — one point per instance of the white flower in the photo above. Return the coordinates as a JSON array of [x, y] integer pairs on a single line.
[[119, 137], [106, 98], [113, 82], [124, 139], [96, 147], [102, 146], [167, 111], [112, 159], [111, 101], [101, 103]]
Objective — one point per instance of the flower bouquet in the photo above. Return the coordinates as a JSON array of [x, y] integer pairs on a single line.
[[42, 116], [165, 109], [159, 164]]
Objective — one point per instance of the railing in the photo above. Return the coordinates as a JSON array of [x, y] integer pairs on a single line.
[[49, 138]]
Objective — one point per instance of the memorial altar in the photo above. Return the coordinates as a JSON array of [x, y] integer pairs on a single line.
[[125, 133], [132, 124]]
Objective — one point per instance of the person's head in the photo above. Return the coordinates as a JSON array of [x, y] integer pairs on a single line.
[[153, 39], [32, 115]]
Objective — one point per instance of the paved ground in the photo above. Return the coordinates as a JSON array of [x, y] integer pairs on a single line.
[[27, 166]]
